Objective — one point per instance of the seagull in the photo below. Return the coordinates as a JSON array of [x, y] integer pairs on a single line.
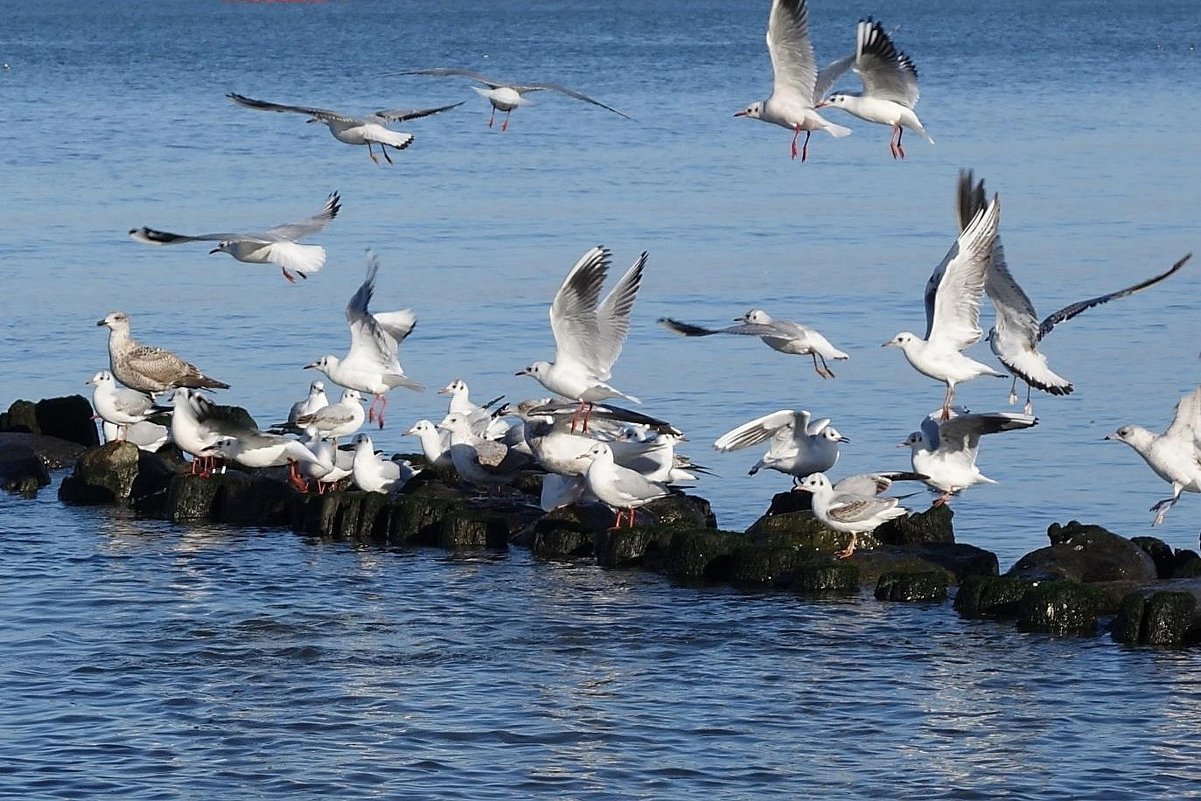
[[435, 444], [145, 367], [1174, 455], [337, 419], [194, 428], [506, 96], [589, 332], [371, 364], [849, 512], [799, 445], [797, 86], [945, 450], [1015, 336], [332, 463], [276, 245], [953, 309], [653, 454], [117, 405], [366, 130], [621, 489], [373, 474], [480, 461], [258, 449], [460, 403], [146, 435], [785, 336], [316, 399], [889, 86]]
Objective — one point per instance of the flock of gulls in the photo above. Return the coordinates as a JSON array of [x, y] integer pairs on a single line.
[[583, 438]]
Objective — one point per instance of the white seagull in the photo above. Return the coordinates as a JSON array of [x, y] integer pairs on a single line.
[[191, 429], [337, 419], [279, 245], [505, 96], [316, 399], [480, 461], [435, 444], [372, 364], [945, 451], [373, 474], [785, 336], [257, 449], [797, 86], [953, 296], [1174, 455], [366, 130], [589, 332], [117, 405], [849, 512], [799, 445], [621, 489], [333, 464], [889, 86]]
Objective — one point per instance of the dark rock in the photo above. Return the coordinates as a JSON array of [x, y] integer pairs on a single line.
[[628, 547], [21, 471], [1160, 553], [930, 526], [690, 510], [804, 531], [929, 585], [700, 554], [55, 453], [1085, 553], [68, 418], [1161, 618], [21, 417], [559, 543], [566, 533], [1058, 607], [768, 564], [235, 497], [102, 475], [1185, 564], [783, 503], [957, 561], [827, 577], [991, 596]]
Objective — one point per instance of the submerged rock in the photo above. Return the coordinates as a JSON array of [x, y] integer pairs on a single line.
[[1058, 607], [956, 561], [642, 546], [21, 471], [930, 585], [1157, 618], [991, 596], [1085, 553]]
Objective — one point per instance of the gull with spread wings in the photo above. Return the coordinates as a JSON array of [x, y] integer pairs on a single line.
[[785, 336]]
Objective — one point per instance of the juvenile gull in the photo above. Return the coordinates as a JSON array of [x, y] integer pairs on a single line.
[[797, 86], [145, 367], [785, 336], [945, 451], [505, 96], [278, 245], [117, 405], [366, 130], [952, 298], [889, 86], [1174, 455], [621, 489], [372, 364], [373, 474], [799, 445], [849, 512]]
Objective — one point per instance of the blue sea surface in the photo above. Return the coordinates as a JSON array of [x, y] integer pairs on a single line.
[[140, 659]]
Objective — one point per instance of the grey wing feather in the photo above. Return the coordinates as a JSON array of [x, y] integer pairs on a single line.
[[613, 315], [849, 508], [263, 105], [154, 236], [291, 232], [964, 431], [444, 72], [930, 429], [133, 402], [969, 198], [402, 115], [573, 312], [886, 72], [829, 74], [747, 329], [561, 89]]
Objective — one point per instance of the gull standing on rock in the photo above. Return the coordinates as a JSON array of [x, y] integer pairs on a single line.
[[479, 461], [435, 444], [117, 405], [145, 367], [797, 86], [373, 474], [366, 130], [372, 364], [337, 419], [316, 399], [849, 512], [589, 332], [621, 489], [278, 245], [953, 296], [889, 86], [506, 96], [799, 445], [258, 449], [785, 336], [1174, 455]]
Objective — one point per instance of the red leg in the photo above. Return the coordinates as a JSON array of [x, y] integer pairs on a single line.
[[900, 133], [587, 416], [505, 125], [383, 404], [371, 409], [796, 133]]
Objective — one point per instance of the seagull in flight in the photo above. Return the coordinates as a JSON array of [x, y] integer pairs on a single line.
[[797, 85], [367, 130], [505, 96], [889, 86], [953, 295], [278, 245], [1017, 332], [799, 445]]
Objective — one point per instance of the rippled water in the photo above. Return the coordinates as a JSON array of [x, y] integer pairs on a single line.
[[146, 660]]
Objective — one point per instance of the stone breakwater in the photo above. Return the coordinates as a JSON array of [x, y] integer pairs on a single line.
[[1087, 579]]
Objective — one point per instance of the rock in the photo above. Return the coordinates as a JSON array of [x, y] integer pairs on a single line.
[[1160, 553], [1085, 553], [991, 596], [804, 531], [21, 471], [1160, 618], [771, 564], [558, 543], [930, 526], [928, 585], [68, 418], [955, 560], [823, 578], [55, 453], [1058, 607], [690, 510], [566, 533], [102, 475], [644, 546], [235, 497], [700, 554], [1185, 564]]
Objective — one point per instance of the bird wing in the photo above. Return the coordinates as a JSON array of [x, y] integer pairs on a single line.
[[794, 66], [153, 236], [402, 115], [319, 113], [963, 431], [369, 341], [931, 430], [1186, 423], [785, 421], [748, 329], [563, 90], [445, 72], [954, 316], [969, 198], [1068, 312], [887, 73], [573, 313], [613, 316], [158, 364], [132, 402], [290, 232], [847, 507], [634, 486], [874, 483], [831, 73]]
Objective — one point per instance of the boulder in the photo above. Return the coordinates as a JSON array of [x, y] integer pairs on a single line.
[[1157, 618], [680, 509], [1058, 607], [644, 546], [234, 497], [21, 471], [804, 531], [766, 563], [700, 553], [920, 528], [68, 418], [103, 475], [991, 596], [566, 533], [930, 585], [1160, 553], [1085, 553], [829, 577], [955, 560], [54, 453]]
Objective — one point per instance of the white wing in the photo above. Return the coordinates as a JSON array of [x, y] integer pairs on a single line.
[[370, 342], [290, 232], [573, 318], [785, 421], [793, 64], [1186, 424], [955, 322], [613, 317], [886, 72]]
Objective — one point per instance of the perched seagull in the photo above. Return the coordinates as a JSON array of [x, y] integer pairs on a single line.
[[257, 449], [797, 86], [278, 245], [1015, 336], [479, 461], [316, 399], [945, 450], [506, 96], [373, 474], [1174, 455], [194, 429], [785, 336], [849, 512], [799, 445], [337, 419], [589, 332], [889, 86], [145, 367], [621, 489], [461, 403], [654, 456], [367, 130], [117, 405], [146, 435], [953, 309], [875, 483], [372, 364], [435, 444], [333, 463]]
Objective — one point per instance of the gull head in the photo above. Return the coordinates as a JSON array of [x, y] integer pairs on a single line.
[[317, 386], [814, 482], [102, 377], [419, 428], [362, 442], [324, 364], [1136, 437], [901, 340], [599, 451], [223, 447], [755, 317], [225, 246], [838, 100], [753, 110], [352, 396], [455, 423], [914, 441], [454, 387], [115, 320], [538, 370], [830, 433]]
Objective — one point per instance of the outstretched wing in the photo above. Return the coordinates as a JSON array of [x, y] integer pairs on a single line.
[[963, 431], [613, 316], [793, 63], [446, 72], [263, 105], [784, 422], [291, 232], [563, 90], [886, 72], [402, 115], [748, 329], [573, 311], [955, 322], [153, 236]]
